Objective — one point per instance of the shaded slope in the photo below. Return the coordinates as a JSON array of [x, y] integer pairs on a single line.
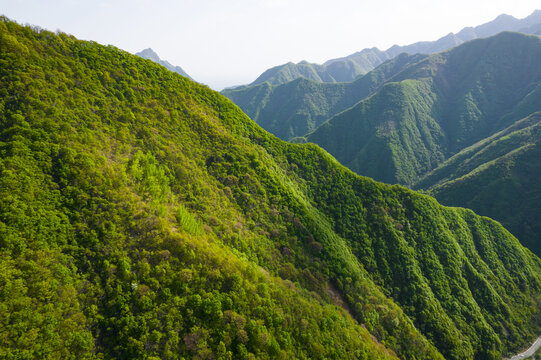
[[142, 214], [390, 137], [436, 108], [300, 106], [497, 177]]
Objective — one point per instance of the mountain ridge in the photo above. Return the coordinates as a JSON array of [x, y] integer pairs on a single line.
[[460, 125], [461, 93], [348, 68], [303, 105], [495, 175]]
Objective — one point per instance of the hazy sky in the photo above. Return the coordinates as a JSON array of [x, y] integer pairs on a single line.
[[230, 42]]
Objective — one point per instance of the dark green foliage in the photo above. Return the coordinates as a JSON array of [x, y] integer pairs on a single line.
[[143, 215], [436, 108], [498, 177], [391, 136], [300, 106]]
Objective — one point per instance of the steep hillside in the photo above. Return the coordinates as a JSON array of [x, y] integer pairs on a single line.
[[497, 177], [298, 107], [151, 55], [437, 107], [143, 215]]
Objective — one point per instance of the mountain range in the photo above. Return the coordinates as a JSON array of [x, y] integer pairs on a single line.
[[436, 118], [151, 55], [290, 108], [497, 177], [346, 69], [143, 215], [446, 121], [298, 107]]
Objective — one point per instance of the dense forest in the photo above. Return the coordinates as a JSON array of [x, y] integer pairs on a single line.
[[497, 177], [298, 107], [143, 215], [451, 124], [437, 107], [450, 115]]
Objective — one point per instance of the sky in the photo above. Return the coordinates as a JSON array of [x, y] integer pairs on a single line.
[[230, 42]]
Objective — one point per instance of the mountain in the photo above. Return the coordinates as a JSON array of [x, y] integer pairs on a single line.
[[151, 55], [462, 125], [348, 68], [143, 215], [501, 23], [289, 108], [436, 108], [290, 71], [298, 107], [336, 70]]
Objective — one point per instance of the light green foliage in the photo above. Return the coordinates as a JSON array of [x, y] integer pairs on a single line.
[[143, 215], [187, 221]]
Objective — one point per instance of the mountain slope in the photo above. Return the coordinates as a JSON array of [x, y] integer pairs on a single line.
[[144, 215], [497, 177], [285, 73], [437, 107], [151, 55], [298, 107], [348, 68]]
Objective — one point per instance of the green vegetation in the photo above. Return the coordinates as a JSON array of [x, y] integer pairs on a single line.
[[143, 215], [298, 107], [437, 107], [461, 124], [337, 70], [497, 177], [390, 136]]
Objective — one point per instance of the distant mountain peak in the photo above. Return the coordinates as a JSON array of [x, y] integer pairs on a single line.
[[505, 16], [150, 54], [534, 17]]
